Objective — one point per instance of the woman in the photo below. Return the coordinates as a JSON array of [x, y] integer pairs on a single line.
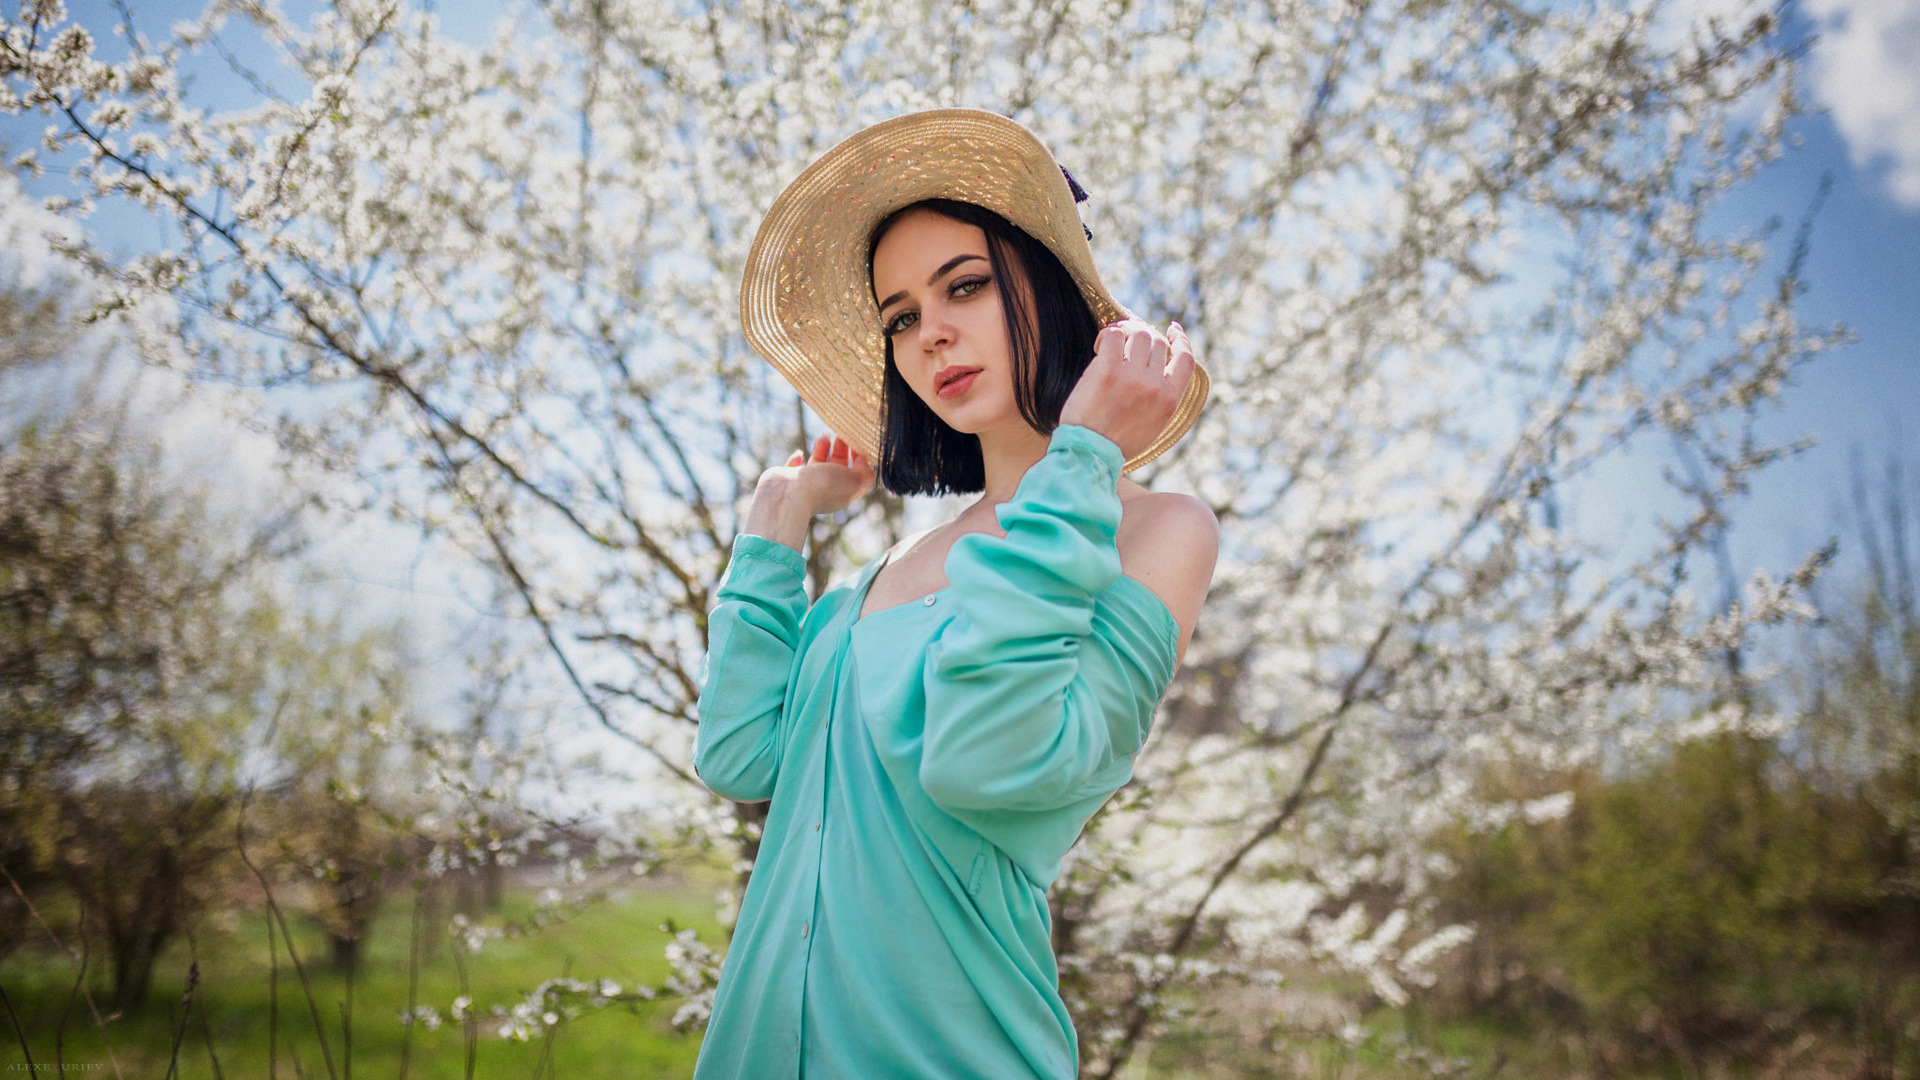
[[934, 735]]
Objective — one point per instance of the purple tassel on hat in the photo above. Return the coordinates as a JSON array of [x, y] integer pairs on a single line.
[[1079, 196], [1079, 193]]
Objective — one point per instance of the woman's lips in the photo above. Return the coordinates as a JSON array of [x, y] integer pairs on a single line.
[[959, 385]]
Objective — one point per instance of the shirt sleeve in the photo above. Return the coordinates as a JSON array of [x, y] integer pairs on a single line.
[[753, 629], [1014, 720]]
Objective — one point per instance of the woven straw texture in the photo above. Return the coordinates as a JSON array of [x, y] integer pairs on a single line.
[[805, 302]]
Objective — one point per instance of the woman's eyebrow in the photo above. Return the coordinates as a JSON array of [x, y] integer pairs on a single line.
[[945, 267]]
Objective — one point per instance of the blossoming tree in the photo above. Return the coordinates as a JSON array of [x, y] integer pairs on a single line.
[[1450, 265]]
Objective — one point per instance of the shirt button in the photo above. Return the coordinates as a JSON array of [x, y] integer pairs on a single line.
[[930, 601], [816, 826], [803, 929]]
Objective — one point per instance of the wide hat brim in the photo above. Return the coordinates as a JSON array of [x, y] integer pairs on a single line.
[[806, 303]]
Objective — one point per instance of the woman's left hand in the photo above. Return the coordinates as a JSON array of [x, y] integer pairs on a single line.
[[1133, 384]]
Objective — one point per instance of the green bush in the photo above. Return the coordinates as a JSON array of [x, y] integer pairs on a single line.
[[1714, 906]]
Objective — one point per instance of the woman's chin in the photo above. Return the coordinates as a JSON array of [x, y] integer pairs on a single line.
[[957, 415], [1011, 425], [975, 413], [971, 421]]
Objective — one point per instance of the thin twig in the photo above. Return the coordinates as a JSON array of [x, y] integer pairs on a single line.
[[186, 1010], [62, 946], [273, 910], [469, 1025], [413, 985], [79, 980], [17, 1029], [206, 1030], [346, 1007], [273, 1004], [206, 1034]]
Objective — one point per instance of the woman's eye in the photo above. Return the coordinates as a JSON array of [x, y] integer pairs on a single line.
[[900, 322], [969, 286]]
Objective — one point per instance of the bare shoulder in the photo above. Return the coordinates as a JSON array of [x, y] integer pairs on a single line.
[[1170, 541]]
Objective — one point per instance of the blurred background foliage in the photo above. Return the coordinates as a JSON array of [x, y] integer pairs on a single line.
[[1719, 904], [157, 672]]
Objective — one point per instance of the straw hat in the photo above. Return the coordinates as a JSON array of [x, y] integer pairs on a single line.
[[806, 302]]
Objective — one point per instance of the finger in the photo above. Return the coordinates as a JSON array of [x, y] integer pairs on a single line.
[[1139, 346], [822, 447], [837, 450], [797, 457], [1177, 346], [1180, 368], [1157, 357]]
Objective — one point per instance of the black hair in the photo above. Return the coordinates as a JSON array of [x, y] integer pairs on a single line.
[[921, 454]]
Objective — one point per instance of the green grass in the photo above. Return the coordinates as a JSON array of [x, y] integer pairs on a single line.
[[623, 940], [1414, 1042], [619, 940]]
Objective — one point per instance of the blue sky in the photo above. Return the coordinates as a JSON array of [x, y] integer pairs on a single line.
[[1863, 271]]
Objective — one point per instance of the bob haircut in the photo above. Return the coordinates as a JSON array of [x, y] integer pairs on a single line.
[[921, 454]]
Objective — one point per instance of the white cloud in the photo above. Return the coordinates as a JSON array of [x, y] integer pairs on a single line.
[[1866, 68], [26, 262]]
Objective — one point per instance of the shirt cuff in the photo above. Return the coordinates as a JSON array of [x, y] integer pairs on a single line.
[[1074, 437], [747, 545]]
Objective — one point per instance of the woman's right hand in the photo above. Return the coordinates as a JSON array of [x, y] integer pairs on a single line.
[[788, 496], [829, 482]]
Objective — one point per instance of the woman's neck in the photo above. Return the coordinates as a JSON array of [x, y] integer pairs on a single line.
[[1007, 454]]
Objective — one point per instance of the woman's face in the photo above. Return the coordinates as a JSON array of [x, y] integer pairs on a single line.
[[940, 305]]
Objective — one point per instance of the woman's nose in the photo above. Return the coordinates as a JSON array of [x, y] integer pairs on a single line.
[[936, 332]]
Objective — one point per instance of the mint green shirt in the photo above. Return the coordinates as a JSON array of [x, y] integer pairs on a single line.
[[928, 766]]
